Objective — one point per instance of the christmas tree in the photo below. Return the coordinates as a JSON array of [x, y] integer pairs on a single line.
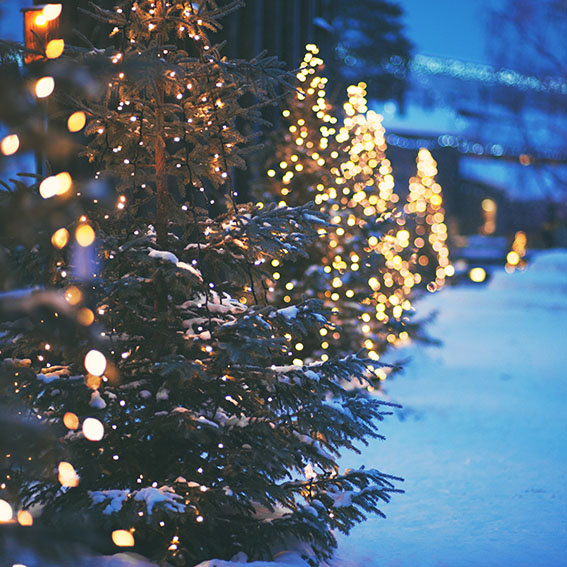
[[425, 205], [361, 266], [181, 427]]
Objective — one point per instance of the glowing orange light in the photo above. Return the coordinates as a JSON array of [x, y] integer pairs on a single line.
[[60, 238], [67, 475], [54, 48], [25, 518], [71, 421], [84, 235], [123, 538], [76, 121], [85, 316]]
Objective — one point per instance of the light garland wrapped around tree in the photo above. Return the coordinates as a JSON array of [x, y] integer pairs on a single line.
[[372, 255], [428, 228], [350, 178], [182, 429]]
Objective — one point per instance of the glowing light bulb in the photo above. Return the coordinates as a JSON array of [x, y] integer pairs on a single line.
[[73, 295], [95, 362], [85, 316], [84, 235], [67, 475], [55, 185], [54, 48], [44, 87], [123, 538], [10, 144], [76, 121], [6, 511], [93, 429], [60, 238], [52, 11], [477, 275], [25, 518], [71, 421]]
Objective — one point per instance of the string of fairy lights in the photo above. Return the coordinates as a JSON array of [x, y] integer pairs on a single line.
[[467, 70]]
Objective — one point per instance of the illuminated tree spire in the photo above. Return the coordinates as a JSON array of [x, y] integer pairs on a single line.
[[299, 170]]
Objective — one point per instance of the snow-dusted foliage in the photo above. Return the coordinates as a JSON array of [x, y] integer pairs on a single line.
[[182, 426]]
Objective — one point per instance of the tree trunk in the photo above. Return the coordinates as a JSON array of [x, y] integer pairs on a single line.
[[161, 176]]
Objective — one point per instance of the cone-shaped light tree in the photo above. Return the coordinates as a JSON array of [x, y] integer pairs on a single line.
[[426, 222], [183, 429], [349, 177], [370, 250]]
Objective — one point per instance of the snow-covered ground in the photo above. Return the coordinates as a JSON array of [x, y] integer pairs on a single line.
[[482, 439]]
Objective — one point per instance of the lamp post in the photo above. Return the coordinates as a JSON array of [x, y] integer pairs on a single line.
[[41, 26]]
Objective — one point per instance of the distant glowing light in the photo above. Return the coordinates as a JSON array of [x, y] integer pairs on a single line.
[[25, 518], [95, 362], [44, 87], [73, 295], [71, 421], [52, 11], [55, 185], [477, 275], [60, 238], [85, 316], [93, 429], [513, 258], [123, 538], [10, 144]]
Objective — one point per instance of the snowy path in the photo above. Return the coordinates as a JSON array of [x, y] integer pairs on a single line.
[[483, 438]]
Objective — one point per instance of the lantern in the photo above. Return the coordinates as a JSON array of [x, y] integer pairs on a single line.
[[41, 25]]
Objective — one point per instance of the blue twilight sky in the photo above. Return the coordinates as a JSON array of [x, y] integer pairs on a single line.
[[448, 28]]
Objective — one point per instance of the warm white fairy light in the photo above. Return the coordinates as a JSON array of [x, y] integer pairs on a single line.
[[93, 429], [10, 144], [95, 362], [44, 87], [6, 512]]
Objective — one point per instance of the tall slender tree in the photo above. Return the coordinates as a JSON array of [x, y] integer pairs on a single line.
[[182, 428]]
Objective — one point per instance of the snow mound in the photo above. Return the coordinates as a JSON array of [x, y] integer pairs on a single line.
[[546, 272]]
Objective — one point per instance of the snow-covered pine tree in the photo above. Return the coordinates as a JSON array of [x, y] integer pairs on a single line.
[[183, 429], [426, 222], [300, 156]]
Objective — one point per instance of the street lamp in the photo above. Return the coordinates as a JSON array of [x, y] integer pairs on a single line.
[[41, 39], [41, 25]]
